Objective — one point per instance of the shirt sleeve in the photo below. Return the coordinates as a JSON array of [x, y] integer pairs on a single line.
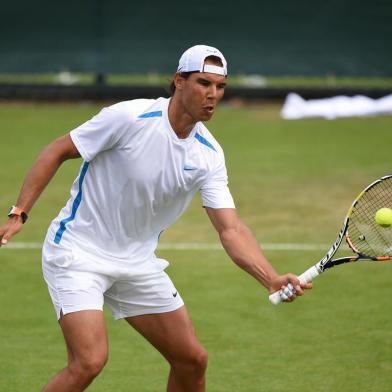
[[215, 193], [101, 133]]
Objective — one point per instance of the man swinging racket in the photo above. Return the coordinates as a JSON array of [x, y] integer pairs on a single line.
[[143, 161]]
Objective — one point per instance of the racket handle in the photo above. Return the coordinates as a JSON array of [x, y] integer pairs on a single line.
[[309, 275], [306, 277]]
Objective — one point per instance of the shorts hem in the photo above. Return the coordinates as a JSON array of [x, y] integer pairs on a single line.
[[149, 310], [67, 310]]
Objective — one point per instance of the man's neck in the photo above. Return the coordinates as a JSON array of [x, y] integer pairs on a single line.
[[180, 121]]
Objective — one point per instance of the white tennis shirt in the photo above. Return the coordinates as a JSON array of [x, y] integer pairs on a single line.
[[137, 178]]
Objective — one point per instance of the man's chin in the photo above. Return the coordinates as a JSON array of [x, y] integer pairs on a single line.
[[206, 116]]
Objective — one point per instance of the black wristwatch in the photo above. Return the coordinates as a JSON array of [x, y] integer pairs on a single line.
[[19, 212]]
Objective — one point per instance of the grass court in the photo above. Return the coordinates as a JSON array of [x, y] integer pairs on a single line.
[[292, 183]]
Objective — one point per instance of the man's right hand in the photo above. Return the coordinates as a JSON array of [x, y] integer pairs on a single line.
[[10, 228]]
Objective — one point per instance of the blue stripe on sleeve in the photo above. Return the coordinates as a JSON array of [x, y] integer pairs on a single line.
[[158, 113], [75, 206]]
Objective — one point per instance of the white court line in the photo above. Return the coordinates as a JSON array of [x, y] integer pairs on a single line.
[[193, 246], [23, 245]]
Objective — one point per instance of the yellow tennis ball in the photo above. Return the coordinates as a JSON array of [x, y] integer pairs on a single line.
[[384, 217]]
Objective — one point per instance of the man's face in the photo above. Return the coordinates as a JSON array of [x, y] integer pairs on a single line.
[[201, 93]]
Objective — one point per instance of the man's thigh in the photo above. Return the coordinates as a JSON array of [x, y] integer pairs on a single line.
[[171, 333], [85, 335]]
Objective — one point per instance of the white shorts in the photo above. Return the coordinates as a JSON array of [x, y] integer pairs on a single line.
[[76, 285]]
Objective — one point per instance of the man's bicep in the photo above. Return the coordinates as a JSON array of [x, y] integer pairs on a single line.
[[64, 148]]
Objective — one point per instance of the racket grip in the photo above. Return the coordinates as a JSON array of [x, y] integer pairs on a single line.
[[306, 277], [309, 275]]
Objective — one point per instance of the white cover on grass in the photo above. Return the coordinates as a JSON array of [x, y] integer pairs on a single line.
[[295, 107]]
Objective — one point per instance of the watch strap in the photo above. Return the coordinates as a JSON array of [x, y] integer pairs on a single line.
[[18, 212]]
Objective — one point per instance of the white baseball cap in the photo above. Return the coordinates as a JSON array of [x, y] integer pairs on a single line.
[[192, 60]]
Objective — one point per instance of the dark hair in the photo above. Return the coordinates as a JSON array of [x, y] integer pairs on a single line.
[[185, 75]]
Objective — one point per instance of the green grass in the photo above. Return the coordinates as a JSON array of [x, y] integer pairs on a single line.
[[292, 182]]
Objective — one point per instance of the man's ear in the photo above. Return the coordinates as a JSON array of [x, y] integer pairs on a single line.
[[179, 81]]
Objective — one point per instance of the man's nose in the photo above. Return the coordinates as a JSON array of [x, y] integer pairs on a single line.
[[211, 93]]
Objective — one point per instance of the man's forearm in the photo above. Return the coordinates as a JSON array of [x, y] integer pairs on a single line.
[[35, 182], [243, 248]]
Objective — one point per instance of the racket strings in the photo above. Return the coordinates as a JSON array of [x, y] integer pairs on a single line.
[[366, 236]]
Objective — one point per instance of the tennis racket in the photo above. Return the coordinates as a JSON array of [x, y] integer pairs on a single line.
[[367, 239]]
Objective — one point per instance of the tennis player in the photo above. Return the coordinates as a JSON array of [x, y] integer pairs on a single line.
[[143, 161]]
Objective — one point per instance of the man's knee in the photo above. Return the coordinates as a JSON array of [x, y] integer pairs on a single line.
[[201, 359], [194, 361], [88, 368]]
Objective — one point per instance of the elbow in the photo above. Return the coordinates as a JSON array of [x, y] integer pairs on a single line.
[[226, 236]]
